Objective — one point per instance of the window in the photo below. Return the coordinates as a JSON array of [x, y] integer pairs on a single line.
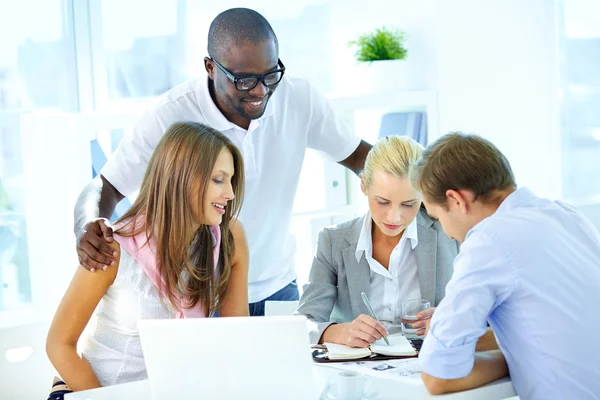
[[36, 73], [15, 289], [580, 89], [142, 57]]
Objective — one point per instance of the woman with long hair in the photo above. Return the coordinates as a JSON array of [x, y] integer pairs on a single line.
[[181, 253]]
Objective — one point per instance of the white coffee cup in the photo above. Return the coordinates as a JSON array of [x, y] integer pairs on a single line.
[[349, 385]]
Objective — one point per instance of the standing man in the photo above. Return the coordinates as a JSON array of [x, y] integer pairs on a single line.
[[528, 266], [272, 119]]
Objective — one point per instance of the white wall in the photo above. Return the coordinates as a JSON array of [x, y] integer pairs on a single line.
[[350, 18], [497, 77]]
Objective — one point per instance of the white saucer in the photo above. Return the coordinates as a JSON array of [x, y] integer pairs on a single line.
[[371, 394]]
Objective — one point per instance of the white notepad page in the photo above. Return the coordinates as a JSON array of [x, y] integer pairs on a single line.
[[399, 346], [340, 351]]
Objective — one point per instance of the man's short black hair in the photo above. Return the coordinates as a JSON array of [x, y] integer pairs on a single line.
[[237, 25]]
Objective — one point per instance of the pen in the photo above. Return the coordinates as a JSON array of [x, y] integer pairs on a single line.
[[368, 304]]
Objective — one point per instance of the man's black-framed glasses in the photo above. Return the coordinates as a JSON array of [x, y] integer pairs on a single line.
[[246, 83]]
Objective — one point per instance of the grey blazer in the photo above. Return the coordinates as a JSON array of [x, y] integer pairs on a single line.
[[336, 279]]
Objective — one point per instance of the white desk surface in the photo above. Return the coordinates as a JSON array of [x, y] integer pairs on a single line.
[[388, 389]]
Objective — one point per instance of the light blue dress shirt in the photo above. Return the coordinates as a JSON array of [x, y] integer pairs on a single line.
[[532, 270]]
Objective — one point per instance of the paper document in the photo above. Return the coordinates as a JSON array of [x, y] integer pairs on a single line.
[[400, 370]]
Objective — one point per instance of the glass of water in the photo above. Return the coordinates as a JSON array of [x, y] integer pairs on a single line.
[[410, 308]]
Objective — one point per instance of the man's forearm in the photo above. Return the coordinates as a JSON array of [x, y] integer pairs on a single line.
[[487, 342], [356, 161], [488, 367], [98, 199]]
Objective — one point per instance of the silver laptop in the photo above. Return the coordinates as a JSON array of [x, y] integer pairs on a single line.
[[228, 358]]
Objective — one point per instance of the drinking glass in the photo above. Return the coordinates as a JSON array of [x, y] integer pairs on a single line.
[[410, 308]]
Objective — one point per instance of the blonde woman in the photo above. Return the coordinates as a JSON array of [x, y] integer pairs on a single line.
[[393, 253], [182, 254]]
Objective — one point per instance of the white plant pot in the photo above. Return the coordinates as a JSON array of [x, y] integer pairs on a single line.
[[389, 75]]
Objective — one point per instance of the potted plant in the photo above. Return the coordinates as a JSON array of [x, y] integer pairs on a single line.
[[380, 45], [381, 56]]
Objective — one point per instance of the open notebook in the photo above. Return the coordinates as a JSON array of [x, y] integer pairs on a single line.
[[399, 346]]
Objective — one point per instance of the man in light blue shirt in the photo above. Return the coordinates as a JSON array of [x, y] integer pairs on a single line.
[[528, 266]]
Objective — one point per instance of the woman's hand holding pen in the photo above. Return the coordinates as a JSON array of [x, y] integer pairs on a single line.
[[363, 331]]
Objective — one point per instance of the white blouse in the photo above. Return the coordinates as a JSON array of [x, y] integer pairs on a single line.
[[114, 349], [388, 288]]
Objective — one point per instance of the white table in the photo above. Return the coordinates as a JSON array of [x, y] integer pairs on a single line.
[[408, 388]]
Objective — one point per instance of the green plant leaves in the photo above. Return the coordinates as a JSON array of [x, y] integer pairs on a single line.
[[382, 44]]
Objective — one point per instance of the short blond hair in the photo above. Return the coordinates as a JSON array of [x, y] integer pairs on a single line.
[[392, 154]]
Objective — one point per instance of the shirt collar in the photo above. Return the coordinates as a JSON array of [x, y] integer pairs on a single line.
[[516, 199], [213, 115], [365, 240], [512, 201], [365, 243], [411, 233]]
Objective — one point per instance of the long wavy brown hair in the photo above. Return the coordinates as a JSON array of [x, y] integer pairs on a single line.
[[186, 155]]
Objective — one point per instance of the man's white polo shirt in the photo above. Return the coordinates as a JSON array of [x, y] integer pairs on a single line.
[[296, 117]]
